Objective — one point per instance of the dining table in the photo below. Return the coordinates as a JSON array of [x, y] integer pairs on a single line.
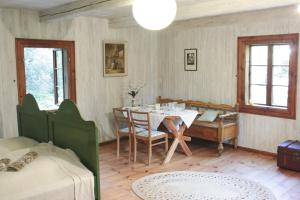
[[176, 120]]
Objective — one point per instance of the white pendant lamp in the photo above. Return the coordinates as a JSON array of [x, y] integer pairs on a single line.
[[154, 14]]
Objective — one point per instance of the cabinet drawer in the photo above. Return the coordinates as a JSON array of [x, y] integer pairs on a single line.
[[202, 132]]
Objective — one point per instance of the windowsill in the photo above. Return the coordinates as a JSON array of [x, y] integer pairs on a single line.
[[268, 111], [267, 107]]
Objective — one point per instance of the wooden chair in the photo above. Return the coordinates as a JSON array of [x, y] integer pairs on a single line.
[[142, 120], [123, 128]]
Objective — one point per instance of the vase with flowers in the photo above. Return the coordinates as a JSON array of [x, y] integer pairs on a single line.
[[133, 92]]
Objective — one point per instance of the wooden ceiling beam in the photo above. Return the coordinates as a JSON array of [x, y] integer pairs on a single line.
[[80, 7], [118, 12]]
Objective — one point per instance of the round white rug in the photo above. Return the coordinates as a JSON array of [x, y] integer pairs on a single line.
[[188, 185]]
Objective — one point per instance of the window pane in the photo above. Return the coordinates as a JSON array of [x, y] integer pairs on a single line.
[[59, 64], [259, 55], [60, 85], [281, 54], [258, 94], [60, 78], [279, 96], [281, 76], [39, 76], [258, 75]]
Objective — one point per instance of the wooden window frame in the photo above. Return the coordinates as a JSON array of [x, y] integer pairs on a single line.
[[243, 43], [69, 46], [55, 78]]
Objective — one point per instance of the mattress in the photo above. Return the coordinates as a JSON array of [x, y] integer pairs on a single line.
[[11, 144], [56, 174]]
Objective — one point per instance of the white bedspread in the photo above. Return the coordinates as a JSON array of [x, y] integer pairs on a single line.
[[11, 144], [56, 174]]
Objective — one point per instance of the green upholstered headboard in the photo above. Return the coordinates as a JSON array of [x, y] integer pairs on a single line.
[[65, 128], [68, 130], [32, 122]]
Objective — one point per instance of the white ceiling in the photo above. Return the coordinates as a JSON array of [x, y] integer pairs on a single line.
[[189, 9], [119, 11], [33, 4]]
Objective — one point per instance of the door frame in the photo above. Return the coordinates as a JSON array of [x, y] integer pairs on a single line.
[[22, 43]]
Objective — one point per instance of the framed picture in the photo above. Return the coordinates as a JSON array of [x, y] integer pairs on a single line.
[[190, 59], [115, 58]]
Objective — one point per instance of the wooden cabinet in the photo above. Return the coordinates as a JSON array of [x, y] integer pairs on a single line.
[[219, 131]]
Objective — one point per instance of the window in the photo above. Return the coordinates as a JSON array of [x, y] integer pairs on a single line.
[[46, 70], [59, 77], [267, 71]]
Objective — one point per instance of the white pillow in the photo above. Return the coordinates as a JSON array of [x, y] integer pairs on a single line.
[[12, 144], [209, 115]]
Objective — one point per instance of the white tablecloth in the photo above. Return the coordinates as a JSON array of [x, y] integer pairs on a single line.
[[157, 117]]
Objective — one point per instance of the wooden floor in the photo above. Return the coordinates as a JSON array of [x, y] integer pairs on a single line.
[[117, 175]]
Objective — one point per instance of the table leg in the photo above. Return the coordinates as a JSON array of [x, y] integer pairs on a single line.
[[185, 148], [178, 139], [171, 151]]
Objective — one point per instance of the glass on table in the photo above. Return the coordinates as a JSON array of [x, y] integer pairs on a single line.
[[172, 105], [157, 106], [181, 106]]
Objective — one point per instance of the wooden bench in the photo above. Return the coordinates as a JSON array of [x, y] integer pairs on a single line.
[[224, 128]]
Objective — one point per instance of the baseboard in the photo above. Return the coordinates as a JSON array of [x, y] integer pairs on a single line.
[[257, 151], [225, 144], [108, 142], [253, 150]]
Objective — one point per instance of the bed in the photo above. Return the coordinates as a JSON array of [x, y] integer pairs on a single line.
[[13, 144], [32, 126], [68, 163]]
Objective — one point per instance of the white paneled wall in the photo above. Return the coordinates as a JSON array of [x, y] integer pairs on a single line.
[[215, 80], [96, 95], [155, 58]]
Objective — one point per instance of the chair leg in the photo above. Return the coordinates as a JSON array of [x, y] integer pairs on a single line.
[[166, 144], [129, 150], [235, 143], [220, 148], [118, 146], [134, 149], [149, 152]]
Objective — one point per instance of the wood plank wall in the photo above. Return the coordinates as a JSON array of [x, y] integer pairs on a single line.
[[96, 95], [215, 80], [155, 58]]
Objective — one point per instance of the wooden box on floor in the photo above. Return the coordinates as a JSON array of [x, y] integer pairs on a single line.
[[289, 155]]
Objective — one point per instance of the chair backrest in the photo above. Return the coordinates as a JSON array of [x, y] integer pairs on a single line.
[[140, 120], [122, 119]]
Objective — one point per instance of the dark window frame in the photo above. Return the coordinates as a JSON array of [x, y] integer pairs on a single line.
[[243, 44], [69, 46], [55, 78]]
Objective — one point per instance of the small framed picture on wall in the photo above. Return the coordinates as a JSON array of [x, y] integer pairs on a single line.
[[190, 60], [115, 58]]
